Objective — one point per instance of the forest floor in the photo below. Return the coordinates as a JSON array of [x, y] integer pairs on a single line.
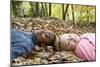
[[59, 27]]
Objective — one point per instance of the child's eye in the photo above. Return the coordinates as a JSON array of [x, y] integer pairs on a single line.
[[42, 31], [90, 42], [47, 35]]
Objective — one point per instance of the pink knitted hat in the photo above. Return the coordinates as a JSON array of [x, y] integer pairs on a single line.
[[86, 47], [90, 37]]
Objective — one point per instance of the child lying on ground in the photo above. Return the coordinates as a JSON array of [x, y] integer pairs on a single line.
[[24, 42], [84, 46]]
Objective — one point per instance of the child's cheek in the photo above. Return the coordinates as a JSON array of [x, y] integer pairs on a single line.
[[43, 36], [72, 46]]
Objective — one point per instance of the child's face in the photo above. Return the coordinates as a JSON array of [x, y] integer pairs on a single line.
[[44, 36]]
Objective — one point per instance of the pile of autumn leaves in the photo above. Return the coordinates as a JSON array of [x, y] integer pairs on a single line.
[[56, 25]]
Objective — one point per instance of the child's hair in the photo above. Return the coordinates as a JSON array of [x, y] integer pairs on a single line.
[[52, 40]]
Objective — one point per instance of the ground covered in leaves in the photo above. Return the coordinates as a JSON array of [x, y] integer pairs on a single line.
[[49, 56]]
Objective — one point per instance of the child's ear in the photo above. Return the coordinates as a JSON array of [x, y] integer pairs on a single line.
[[67, 42], [56, 43]]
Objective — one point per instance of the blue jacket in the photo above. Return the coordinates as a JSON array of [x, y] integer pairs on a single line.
[[21, 43]]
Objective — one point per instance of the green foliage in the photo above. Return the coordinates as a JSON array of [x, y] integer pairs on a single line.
[[79, 12], [56, 11]]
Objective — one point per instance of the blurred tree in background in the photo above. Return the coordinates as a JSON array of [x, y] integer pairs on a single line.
[[67, 12]]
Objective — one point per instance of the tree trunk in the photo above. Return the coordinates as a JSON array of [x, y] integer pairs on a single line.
[[14, 8], [72, 13], [37, 9], [42, 10], [64, 14], [49, 9], [46, 10], [32, 10], [20, 10], [87, 11]]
